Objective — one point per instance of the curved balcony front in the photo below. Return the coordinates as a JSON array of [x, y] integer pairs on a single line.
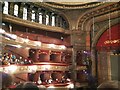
[[42, 66]]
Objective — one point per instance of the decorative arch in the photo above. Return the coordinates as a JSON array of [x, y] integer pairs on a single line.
[[96, 12], [66, 18], [56, 11], [97, 37]]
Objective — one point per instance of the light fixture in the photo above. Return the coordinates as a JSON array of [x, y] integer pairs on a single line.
[[93, 28], [3, 24]]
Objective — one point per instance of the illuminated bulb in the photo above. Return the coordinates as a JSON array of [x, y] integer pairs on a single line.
[[20, 57], [68, 79], [50, 81], [3, 24], [84, 70]]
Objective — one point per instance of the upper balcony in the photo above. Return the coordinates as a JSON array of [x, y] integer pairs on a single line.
[[34, 16]]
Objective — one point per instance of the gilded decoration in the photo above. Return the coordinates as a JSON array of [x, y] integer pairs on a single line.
[[74, 5], [101, 10]]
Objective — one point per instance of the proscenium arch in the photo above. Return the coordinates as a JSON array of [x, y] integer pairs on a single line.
[[101, 31], [98, 19]]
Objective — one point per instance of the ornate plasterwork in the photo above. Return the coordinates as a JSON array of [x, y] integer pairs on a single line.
[[33, 68], [72, 6], [96, 12]]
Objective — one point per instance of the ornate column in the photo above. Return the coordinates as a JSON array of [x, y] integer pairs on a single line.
[[56, 20], [74, 49], [74, 65], [3, 4], [88, 40], [63, 23], [11, 8], [94, 62], [29, 14], [20, 14], [37, 15], [43, 17], [60, 21], [50, 19]]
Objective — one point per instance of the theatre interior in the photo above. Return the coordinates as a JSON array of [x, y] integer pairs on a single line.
[[59, 45]]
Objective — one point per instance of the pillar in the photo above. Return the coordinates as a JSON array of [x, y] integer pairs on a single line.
[[88, 40], [11, 8], [56, 20], [37, 15], [60, 21], [43, 17], [29, 14], [20, 11], [73, 71], [50, 19], [94, 62]]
